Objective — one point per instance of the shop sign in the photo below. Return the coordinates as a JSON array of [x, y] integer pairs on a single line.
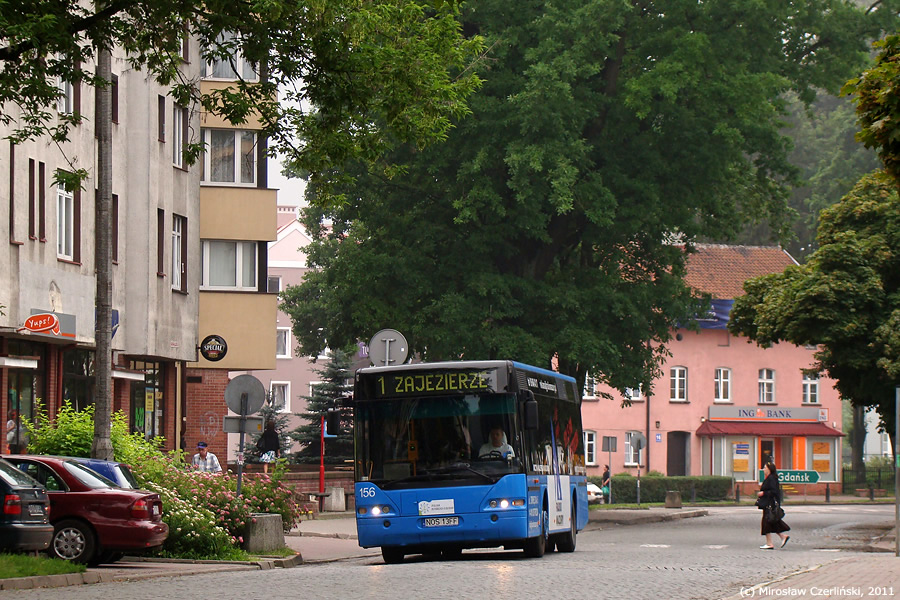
[[49, 324], [213, 348], [802, 414]]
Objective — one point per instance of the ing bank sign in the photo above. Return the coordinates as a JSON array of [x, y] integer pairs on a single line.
[[802, 414]]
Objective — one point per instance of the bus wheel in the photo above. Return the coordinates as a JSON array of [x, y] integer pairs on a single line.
[[392, 555], [565, 542], [536, 546]]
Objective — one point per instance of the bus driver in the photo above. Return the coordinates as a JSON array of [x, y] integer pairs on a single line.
[[496, 445]]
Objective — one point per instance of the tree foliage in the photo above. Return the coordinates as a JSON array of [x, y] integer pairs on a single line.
[[549, 222], [353, 75], [329, 393], [845, 298]]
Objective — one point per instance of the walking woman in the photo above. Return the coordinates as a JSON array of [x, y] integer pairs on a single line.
[[770, 493], [269, 445]]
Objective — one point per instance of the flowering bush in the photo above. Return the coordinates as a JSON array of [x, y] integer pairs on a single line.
[[206, 517]]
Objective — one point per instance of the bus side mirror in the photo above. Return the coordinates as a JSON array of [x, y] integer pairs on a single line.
[[529, 410], [332, 422]]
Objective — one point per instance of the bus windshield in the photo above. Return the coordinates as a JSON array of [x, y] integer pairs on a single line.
[[437, 441]]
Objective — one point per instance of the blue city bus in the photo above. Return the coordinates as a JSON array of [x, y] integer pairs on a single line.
[[428, 479]]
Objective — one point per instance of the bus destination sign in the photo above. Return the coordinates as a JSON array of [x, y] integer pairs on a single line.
[[434, 383]]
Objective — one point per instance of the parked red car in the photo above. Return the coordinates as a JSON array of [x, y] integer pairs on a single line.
[[93, 521]]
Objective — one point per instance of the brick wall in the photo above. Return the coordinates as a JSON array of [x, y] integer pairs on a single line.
[[205, 410]]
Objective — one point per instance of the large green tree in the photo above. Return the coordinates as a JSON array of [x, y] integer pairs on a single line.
[[606, 134], [845, 298]]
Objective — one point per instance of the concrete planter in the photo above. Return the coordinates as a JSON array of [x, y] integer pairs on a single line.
[[265, 531]]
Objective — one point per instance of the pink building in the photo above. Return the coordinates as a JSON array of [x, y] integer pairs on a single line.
[[723, 404]]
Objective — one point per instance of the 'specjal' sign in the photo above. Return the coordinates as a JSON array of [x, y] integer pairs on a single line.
[[213, 348]]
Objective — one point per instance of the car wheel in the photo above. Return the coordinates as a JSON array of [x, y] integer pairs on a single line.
[[73, 540]]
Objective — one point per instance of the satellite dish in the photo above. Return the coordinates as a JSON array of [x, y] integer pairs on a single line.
[[245, 384], [388, 347]]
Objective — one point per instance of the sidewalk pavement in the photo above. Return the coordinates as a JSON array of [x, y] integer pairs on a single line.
[[332, 537]]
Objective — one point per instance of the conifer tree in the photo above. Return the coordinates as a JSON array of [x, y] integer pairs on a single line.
[[331, 393]]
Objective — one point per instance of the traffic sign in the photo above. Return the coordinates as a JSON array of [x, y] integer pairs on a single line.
[[789, 476]]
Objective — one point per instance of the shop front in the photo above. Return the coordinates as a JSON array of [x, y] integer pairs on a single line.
[[736, 441]]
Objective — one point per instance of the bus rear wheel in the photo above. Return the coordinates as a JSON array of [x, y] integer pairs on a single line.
[[392, 555], [536, 547]]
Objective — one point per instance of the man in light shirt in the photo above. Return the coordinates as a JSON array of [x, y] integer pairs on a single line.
[[205, 460]]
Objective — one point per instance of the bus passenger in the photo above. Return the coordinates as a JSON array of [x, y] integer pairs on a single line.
[[497, 444]]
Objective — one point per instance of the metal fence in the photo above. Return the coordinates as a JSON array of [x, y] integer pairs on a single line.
[[880, 478]]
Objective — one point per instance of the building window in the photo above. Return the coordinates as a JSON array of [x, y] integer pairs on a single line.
[[65, 101], [115, 228], [273, 284], [12, 191], [229, 157], [810, 389], [232, 67], [678, 384], [228, 265], [283, 343], [179, 253], [767, 386], [114, 98], [590, 447], [722, 385], [634, 394], [633, 455], [161, 118], [590, 387], [280, 393], [179, 135], [65, 224], [160, 242]]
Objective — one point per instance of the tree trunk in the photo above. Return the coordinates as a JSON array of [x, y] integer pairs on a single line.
[[102, 446], [858, 440]]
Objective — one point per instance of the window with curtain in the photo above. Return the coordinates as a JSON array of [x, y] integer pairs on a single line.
[[229, 264]]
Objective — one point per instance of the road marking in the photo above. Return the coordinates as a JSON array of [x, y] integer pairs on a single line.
[[655, 546], [717, 547]]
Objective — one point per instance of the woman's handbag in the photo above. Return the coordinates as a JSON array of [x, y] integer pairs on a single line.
[[761, 502], [774, 513]]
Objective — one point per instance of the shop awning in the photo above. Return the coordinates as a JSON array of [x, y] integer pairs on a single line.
[[712, 428]]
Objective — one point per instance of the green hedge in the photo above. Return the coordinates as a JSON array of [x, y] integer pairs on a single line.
[[654, 488]]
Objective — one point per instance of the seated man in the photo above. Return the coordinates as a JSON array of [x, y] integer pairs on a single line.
[[496, 444]]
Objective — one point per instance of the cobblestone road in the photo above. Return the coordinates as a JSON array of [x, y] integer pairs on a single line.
[[708, 557]]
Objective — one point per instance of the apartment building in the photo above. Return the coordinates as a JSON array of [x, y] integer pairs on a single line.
[[48, 265], [189, 260], [723, 405]]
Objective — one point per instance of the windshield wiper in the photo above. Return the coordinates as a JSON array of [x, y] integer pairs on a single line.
[[422, 475]]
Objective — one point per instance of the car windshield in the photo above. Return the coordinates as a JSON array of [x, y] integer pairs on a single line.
[[127, 476], [13, 476], [92, 479]]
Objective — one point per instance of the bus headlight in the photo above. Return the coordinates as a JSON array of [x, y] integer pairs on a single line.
[[376, 510]]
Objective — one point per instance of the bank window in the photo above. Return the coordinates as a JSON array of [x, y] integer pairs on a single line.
[[635, 394], [590, 447], [229, 156], [722, 385], [283, 343], [767, 386], [633, 455], [678, 384], [810, 389], [280, 394], [590, 387], [228, 265]]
